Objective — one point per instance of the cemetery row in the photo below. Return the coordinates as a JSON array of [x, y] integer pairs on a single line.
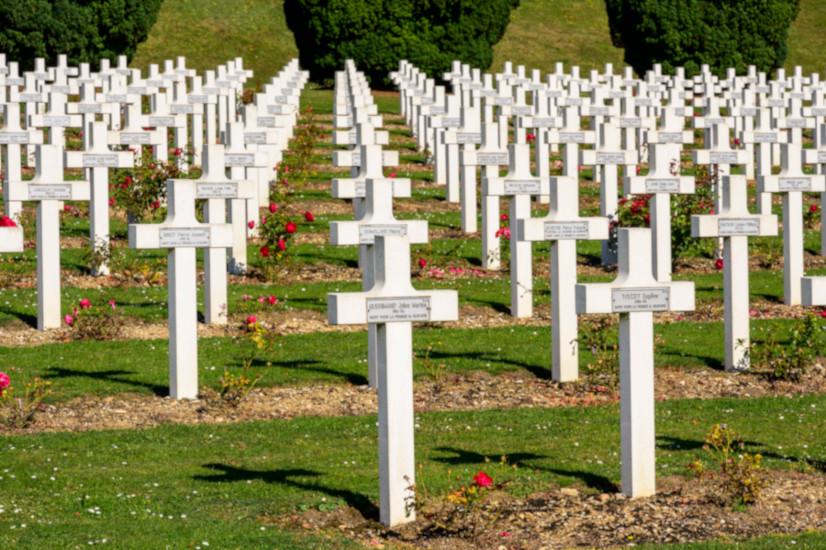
[[388, 303]]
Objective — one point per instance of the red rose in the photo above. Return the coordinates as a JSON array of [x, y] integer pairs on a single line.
[[482, 479], [282, 244], [273, 208], [290, 227], [251, 224], [309, 216], [422, 262], [264, 251], [719, 263]]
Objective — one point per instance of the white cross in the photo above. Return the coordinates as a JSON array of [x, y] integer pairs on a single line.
[[181, 233], [635, 295], [12, 136], [735, 224], [98, 158], [392, 304], [791, 182], [48, 188]]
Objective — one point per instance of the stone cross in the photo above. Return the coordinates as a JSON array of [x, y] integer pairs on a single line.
[[764, 136], [98, 158], [563, 227], [605, 159], [718, 155], [48, 188], [217, 189], [378, 219], [466, 134], [12, 136], [735, 224], [792, 183], [181, 233], [635, 294], [133, 134], [519, 185], [392, 304], [662, 180]]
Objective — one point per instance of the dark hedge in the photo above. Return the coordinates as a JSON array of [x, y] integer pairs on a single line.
[[376, 34], [721, 33], [84, 30]]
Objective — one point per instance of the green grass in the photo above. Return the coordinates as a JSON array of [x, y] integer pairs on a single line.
[[174, 485], [541, 32]]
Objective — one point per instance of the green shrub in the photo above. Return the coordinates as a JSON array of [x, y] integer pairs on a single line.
[[376, 34], [721, 33], [84, 30]]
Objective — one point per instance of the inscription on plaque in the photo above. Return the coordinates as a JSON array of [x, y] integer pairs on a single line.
[[388, 310], [266, 121], [257, 137], [522, 111], [451, 122], [361, 189], [60, 192], [818, 111], [795, 123], [468, 138], [200, 98], [571, 137], [211, 91], [643, 101], [670, 137], [610, 158], [227, 190], [181, 109], [639, 299], [775, 103], [30, 97], [239, 159], [89, 108], [723, 158], [161, 121], [488, 159], [557, 231], [367, 233], [748, 111], [730, 228], [598, 111], [116, 98], [142, 137], [106, 161], [543, 122], [794, 184], [503, 101], [275, 109], [57, 121], [60, 89], [574, 101], [281, 99], [438, 110], [662, 186], [765, 137], [140, 90], [525, 187], [821, 155], [630, 123], [184, 237], [14, 137]]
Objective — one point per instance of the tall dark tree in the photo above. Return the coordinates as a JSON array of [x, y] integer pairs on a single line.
[[376, 34], [84, 30], [689, 33]]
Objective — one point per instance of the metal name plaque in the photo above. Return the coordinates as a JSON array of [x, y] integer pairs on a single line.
[[116, 98], [643, 102], [199, 98], [14, 137], [574, 101], [543, 122], [59, 192], [89, 108], [765, 137], [521, 111], [731, 228], [468, 138], [57, 121], [451, 122], [639, 299], [559, 231], [503, 101], [60, 89], [96, 161], [140, 90], [795, 123], [161, 121], [571, 137], [598, 111], [142, 137], [275, 109], [286, 91], [723, 158], [490, 159], [239, 159], [184, 237], [794, 184], [156, 83], [211, 91], [438, 110], [610, 158], [712, 120], [762, 89], [257, 137], [776, 103], [525, 187], [487, 93], [227, 190], [266, 121], [670, 137], [181, 109], [616, 95], [367, 233], [680, 111], [281, 99], [630, 123], [821, 155], [748, 111], [25, 98], [388, 310], [360, 190], [818, 111], [662, 186], [15, 82]]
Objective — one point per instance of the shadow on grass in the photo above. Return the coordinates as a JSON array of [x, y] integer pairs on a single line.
[[591, 480], [119, 376], [230, 474], [311, 365], [484, 357], [460, 456]]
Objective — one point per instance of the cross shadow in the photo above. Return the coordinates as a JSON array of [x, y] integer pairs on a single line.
[[501, 308], [711, 362], [310, 365], [30, 320], [460, 456], [231, 474], [594, 481], [477, 357], [107, 376]]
